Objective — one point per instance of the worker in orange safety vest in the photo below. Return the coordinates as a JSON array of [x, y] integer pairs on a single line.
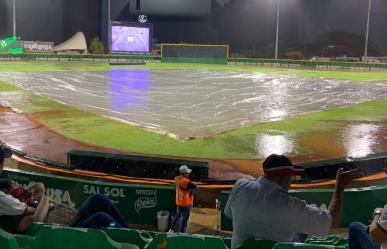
[[184, 198]]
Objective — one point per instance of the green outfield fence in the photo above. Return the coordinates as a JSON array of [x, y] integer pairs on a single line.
[[303, 64], [307, 64], [194, 53]]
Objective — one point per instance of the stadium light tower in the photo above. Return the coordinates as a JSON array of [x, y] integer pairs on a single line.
[[109, 7], [14, 17], [368, 29], [277, 31]]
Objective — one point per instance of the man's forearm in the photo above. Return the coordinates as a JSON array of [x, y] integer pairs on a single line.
[[42, 209], [377, 235], [336, 205]]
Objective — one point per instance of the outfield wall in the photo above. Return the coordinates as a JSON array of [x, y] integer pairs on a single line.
[[297, 64], [312, 65]]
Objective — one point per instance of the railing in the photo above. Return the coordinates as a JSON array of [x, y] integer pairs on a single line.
[[307, 64], [77, 57], [283, 63]]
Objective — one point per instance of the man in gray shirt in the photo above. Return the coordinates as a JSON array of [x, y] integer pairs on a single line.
[[263, 209]]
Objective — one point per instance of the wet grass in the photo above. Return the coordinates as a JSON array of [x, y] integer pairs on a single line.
[[6, 87], [38, 66], [103, 66], [238, 144]]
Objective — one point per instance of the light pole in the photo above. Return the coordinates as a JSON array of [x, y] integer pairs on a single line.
[[14, 17], [277, 31], [109, 6], [368, 29]]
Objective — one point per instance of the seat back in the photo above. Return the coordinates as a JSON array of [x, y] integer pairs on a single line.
[[66, 238], [7, 240], [257, 244], [141, 239], [24, 241]]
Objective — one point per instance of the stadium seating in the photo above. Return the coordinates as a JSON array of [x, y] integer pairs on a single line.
[[47, 236], [335, 241], [255, 243], [141, 239], [7, 240]]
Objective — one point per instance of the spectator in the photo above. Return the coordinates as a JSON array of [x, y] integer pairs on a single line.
[[263, 209], [99, 211], [15, 215], [184, 198], [96, 212], [372, 237], [30, 196]]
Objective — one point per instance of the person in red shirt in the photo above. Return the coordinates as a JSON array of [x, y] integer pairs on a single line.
[[30, 195], [184, 198]]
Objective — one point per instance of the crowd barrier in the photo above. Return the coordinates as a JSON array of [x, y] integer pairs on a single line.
[[138, 203]]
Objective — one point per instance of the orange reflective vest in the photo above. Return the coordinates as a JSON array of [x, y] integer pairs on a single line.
[[184, 196]]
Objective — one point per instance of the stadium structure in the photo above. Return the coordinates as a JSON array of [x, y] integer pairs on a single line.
[[115, 100]]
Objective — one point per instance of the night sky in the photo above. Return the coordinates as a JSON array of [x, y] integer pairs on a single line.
[[246, 25]]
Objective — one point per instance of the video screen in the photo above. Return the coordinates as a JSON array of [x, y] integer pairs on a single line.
[[130, 39]]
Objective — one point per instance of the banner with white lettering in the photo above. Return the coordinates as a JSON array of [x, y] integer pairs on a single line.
[[138, 203], [38, 46]]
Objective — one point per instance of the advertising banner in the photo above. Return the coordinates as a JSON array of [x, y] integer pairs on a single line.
[[38, 46], [138, 203]]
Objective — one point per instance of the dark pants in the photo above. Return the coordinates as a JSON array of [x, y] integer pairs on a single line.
[[299, 237], [184, 212], [359, 237], [99, 211]]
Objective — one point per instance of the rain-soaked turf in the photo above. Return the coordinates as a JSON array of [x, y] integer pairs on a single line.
[[353, 130]]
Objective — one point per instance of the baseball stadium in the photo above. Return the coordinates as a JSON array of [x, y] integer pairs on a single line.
[[114, 98]]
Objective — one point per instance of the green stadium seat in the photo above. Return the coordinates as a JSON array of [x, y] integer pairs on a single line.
[[159, 241], [49, 236], [141, 239], [24, 241], [258, 244], [227, 242], [290, 245], [216, 243], [7, 240], [185, 241], [332, 240], [34, 228], [69, 238]]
